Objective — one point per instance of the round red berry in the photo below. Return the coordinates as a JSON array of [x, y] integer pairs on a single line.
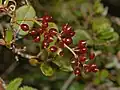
[[40, 30], [37, 39], [61, 44], [61, 53], [33, 33], [64, 27], [92, 56], [95, 70], [82, 44], [46, 35], [82, 58], [47, 18], [50, 39], [53, 48], [83, 50], [45, 44], [53, 31], [44, 24], [67, 41], [72, 33], [77, 71], [24, 27]]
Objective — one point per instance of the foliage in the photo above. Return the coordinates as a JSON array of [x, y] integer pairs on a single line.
[[91, 22]]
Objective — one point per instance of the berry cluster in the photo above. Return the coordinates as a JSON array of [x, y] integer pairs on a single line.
[[64, 40], [79, 63]]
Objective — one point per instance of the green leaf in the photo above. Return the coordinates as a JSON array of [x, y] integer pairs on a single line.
[[24, 13], [115, 37], [52, 25], [8, 36], [0, 2], [100, 23], [27, 88], [98, 7], [64, 62], [96, 81], [14, 85], [77, 86], [46, 69], [104, 74], [81, 35]]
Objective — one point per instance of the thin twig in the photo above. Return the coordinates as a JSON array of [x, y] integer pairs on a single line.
[[9, 70], [68, 82]]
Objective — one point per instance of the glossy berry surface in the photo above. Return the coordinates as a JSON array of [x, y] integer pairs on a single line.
[[72, 33], [37, 39], [40, 30], [92, 56], [82, 44], [45, 44], [47, 18], [53, 48], [67, 41], [53, 31], [77, 71], [83, 50], [24, 27], [44, 24], [82, 58], [33, 33]]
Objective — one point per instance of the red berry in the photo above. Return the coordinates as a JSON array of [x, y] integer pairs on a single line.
[[92, 56], [95, 70], [67, 41], [67, 30], [33, 33], [83, 50], [61, 44], [82, 44], [50, 39], [61, 53], [77, 71], [37, 39], [24, 27], [40, 30], [64, 27], [47, 18], [82, 58], [53, 48], [46, 35], [44, 24], [86, 66], [53, 31], [45, 44], [93, 66], [72, 33]]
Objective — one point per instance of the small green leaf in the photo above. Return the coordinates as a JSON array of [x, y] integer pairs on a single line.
[[52, 25], [24, 13], [46, 69], [100, 23], [77, 86], [104, 74], [64, 62], [115, 37], [8, 36], [27, 88], [98, 7], [0, 2], [81, 35], [96, 81], [14, 85]]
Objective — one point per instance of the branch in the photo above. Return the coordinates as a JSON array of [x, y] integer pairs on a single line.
[[68, 82]]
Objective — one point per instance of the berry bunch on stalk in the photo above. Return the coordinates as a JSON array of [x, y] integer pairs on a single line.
[[81, 57]]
